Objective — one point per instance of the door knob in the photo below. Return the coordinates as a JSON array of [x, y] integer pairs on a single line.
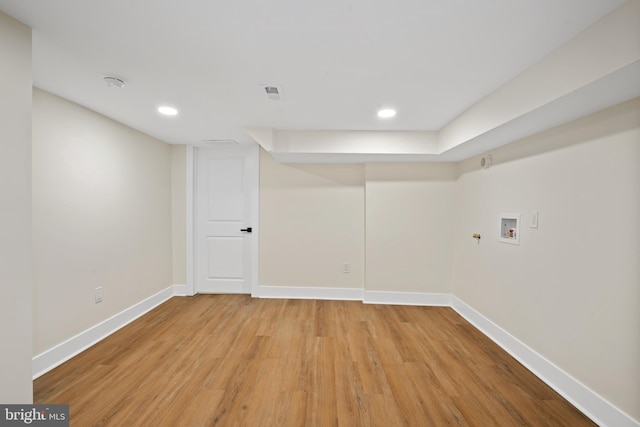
[[248, 229]]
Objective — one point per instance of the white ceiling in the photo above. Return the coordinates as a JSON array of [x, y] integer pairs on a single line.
[[337, 61]]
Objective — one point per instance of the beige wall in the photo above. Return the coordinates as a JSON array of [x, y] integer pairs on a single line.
[[409, 226], [15, 212], [101, 217], [571, 289], [179, 213], [311, 222]]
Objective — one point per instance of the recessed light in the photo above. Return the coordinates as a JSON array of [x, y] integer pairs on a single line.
[[386, 113], [167, 111]]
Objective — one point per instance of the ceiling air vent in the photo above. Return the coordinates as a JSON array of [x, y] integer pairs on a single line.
[[273, 92]]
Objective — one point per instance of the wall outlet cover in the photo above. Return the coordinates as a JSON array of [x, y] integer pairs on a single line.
[[534, 220]]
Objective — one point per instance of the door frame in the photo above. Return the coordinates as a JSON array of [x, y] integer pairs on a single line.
[[253, 169]]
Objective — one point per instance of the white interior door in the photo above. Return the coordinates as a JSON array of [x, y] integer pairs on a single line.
[[226, 219]]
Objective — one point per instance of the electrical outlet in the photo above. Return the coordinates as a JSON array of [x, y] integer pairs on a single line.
[[98, 294], [346, 268]]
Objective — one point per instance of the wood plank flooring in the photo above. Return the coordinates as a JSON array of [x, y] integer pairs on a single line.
[[230, 360]]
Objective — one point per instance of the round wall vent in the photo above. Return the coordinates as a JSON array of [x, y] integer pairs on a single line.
[[486, 161]]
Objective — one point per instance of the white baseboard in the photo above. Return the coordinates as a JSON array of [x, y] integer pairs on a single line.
[[586, 400], [44, 362], [407, 298], [181, 291], [292, 292]]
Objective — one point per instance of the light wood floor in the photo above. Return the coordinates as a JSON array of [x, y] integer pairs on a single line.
[[232, 360]]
